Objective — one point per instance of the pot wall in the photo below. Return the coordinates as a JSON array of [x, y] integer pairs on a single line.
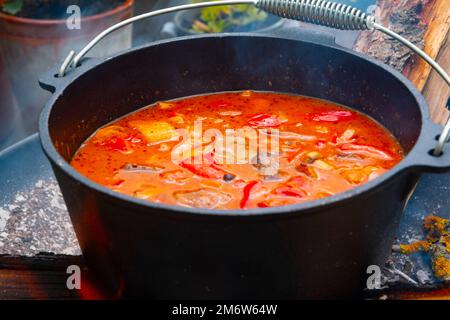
[[158, 254], [30, 47], [150, 251]]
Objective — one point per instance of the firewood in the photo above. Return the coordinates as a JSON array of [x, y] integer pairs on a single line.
[[426, 23]]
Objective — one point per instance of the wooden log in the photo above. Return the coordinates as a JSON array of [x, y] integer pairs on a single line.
[[426, 23], [436, 91], [44, 277], [41, 277]]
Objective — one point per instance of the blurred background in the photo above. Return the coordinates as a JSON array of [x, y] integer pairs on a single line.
[[37, 34]]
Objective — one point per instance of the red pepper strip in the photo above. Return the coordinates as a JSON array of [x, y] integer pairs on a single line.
[[265, 121], [115, 143], [333, 116], [263, 205], [118, 183], [296, 182], [292, 188], [247, 191], [334, 139], [290, 192], [365, 150], [205, 171], [171, 114]]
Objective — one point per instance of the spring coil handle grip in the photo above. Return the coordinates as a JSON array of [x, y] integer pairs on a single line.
[[320, 12]]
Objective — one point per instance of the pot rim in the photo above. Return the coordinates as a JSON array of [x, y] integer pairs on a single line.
[[301, 208], [53, 22]]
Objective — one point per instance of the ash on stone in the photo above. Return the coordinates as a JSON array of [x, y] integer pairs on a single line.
[[35, 221]]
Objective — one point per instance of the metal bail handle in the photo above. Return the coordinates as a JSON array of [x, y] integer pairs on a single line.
[[320, 12], [444, 137], [73, 59]]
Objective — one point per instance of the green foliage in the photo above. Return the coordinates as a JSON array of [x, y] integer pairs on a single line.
[[11, 6], [222, 18]]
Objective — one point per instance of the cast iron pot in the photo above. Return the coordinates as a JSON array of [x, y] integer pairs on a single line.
[[318, 249]]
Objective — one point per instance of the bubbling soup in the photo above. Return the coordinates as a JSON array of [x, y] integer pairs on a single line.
[[238, 150]]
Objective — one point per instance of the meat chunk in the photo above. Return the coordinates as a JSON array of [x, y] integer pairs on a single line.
[[267, 164], [175, 176], [202, 198]]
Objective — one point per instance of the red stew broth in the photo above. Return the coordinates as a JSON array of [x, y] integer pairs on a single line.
[[323, 149]]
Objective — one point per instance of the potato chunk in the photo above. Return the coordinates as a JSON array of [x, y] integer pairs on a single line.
[[155, 131], [165, 105], [358, 175]]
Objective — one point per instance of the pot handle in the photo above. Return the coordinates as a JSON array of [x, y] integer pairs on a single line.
[[51, 81], [425, 158], [73, 59]]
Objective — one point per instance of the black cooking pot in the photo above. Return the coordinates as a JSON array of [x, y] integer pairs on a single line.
[[318, 249]]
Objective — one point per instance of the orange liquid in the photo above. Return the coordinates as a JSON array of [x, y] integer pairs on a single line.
[[318, 149]]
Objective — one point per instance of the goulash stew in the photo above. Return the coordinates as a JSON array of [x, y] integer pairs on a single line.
[[238, 150]]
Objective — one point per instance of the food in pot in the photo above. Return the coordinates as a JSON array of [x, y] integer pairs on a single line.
[[238, 150]]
